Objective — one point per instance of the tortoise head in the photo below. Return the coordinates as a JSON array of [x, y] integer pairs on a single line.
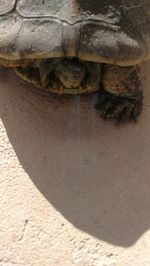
[[71, 73]]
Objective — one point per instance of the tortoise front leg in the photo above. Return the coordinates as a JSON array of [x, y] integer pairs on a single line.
[[121, 95], [37, 72]]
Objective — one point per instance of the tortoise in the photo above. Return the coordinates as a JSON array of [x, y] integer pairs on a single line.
[[79, 47]]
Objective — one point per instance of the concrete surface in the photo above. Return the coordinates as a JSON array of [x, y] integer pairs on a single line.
[[74, 190]]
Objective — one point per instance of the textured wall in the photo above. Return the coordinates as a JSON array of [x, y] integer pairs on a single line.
[[74, 190]]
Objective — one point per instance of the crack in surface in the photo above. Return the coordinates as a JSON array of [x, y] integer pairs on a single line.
[[24, 230]]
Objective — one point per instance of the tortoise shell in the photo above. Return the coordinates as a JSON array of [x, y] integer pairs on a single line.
[[103, 31]]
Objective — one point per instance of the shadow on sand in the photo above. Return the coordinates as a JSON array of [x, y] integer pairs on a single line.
[[95, 174]]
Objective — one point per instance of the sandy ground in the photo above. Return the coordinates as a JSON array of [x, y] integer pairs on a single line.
[[74, 190]]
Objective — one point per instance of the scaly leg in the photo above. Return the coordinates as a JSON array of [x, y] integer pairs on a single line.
[[121, 95]]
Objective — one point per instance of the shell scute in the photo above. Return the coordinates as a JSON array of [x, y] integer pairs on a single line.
[[7, 6]]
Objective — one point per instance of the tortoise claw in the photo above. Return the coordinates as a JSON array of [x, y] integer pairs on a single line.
[[120, 109]]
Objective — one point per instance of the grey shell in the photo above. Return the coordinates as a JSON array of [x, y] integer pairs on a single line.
[[109, 31]]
